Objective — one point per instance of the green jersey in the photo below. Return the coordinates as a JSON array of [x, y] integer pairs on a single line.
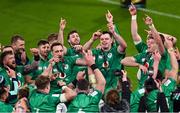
[[141, 47], [13, 83], [147, 60], [85, 102], [64, 73], [135, 98], [41, 102], [168, 87], [152, 101], [71, 52], [42, 65], [5, 108], [108, 62]]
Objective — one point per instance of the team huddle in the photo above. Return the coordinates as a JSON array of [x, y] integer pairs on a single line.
[[86, 79]]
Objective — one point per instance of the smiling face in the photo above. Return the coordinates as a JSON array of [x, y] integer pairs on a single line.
[[106, 41], [9, 60], [74, 39]]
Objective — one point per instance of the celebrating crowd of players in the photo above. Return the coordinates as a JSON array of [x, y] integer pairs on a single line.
[[85, 79]]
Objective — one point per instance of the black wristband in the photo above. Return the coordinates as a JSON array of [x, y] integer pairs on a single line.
[[93, 67], [74, 82], [36, 57]]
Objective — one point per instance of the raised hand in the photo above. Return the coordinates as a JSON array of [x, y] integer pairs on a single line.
[[109, 17], [54, 60], [89, 58], [96, 35], [158, 84], [80, 75], [156, 55], [111, 27], [11, 72], [148, 20], [61, 83], [62, 24], [132, 10], [78, 47], [143, 68], [34, 51], [168, 43], [177, 53], [124, 75]]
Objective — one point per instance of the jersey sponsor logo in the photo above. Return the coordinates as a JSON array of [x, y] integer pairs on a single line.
[[109, 55], [55, 95], [167, 82], [141, 91]]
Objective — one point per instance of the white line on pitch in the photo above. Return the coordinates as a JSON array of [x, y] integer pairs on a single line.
[[146, 10]]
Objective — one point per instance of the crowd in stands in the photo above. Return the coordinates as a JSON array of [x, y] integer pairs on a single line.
[[86, 79]]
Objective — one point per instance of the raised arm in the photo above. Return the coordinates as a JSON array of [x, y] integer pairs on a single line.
[[155, 34], [68, 94], [134, 27], [157, 58], [122, 44], [94, 37], [100, 80], [174, 71], [62, 26], [130, 61]]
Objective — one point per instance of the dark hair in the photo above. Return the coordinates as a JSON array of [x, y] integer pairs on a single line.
[[6, 47], [52, 37], [107, 32], [42, 42], [2, 91], [15, 38], [112, 97], [42, 82], [83, 84], [56, 44], [23, 92], [3, 55], [71, 32], [150, 85]]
